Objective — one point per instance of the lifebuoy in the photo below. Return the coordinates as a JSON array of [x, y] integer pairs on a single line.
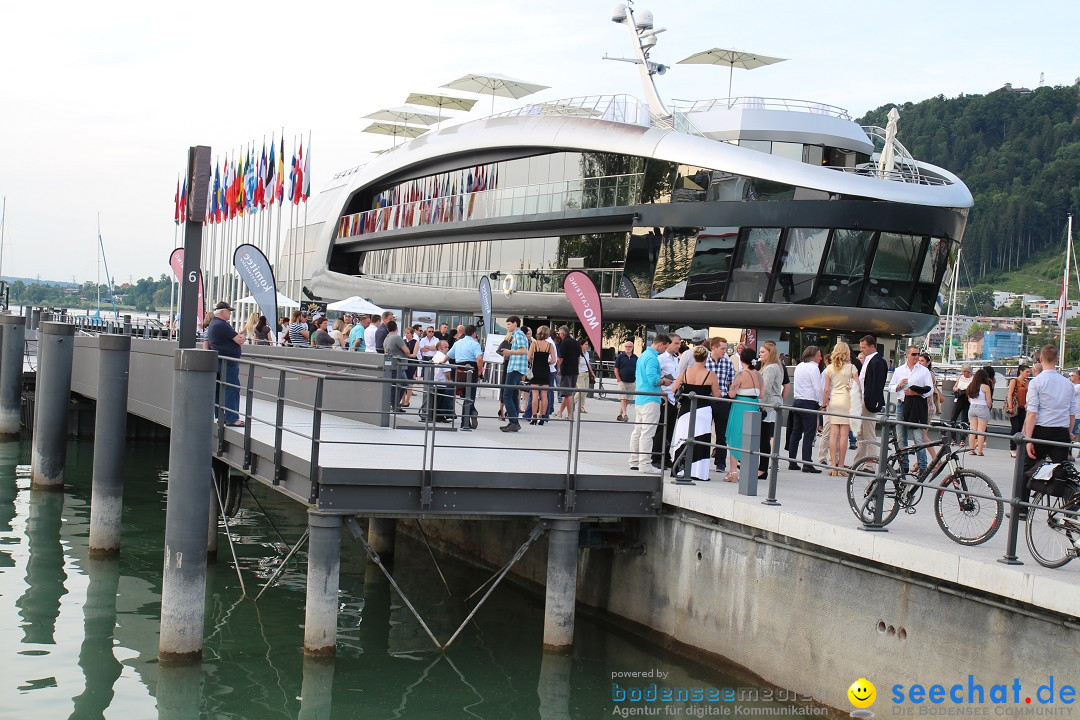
[[508, 284]]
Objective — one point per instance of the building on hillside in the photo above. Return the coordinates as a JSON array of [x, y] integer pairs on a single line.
[[1000, 344]]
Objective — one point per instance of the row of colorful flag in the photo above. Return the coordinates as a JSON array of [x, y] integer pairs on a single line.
[[248, 184]]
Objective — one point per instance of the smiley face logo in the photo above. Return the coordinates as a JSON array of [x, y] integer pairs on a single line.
[[862, 693]]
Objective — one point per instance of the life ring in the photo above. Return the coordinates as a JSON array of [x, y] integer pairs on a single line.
[[508, 284]]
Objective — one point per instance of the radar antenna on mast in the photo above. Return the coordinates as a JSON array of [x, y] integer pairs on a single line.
[[644, 38]]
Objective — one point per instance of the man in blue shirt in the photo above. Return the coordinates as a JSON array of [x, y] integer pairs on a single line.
[[467, 352], [626, 376], [517, 364], [226, 341], [356, 335], [647, 407]]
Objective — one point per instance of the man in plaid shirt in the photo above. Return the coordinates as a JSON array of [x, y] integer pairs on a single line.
[[517, 364], [720, 364]]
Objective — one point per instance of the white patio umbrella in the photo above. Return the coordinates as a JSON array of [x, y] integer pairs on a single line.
[[732, 58], [442, 102], [404, 114], [405, 131], [355, 304], [887, 159], [282, 301], [493, 85]]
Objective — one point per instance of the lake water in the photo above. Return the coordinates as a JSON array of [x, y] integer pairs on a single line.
[[78, 636]]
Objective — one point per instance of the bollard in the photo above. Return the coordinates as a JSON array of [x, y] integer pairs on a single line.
[[11, 373], [183, 587], [748, 463], [561, 595], [127, 325], [28, 313], [35, 318], [380, 536], [55, 352], [110, 433], [324, 564]]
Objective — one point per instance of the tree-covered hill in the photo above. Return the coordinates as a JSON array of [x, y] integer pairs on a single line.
[[1019, 153]]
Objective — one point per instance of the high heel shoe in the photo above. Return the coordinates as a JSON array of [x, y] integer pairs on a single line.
[[732, 477], [534, 421]]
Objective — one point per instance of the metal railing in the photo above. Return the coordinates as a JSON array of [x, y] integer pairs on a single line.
[[526, 280], [763, 103]]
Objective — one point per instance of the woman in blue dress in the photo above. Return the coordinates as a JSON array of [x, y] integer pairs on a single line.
[[745, 390]]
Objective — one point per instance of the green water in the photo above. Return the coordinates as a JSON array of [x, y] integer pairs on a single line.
[[78, 637]]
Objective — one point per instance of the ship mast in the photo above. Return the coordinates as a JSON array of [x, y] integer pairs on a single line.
[[1063, 302], [644, 39]]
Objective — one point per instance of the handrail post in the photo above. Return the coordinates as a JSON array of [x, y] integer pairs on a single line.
[[221, 379], [1010, 557], [887, 430], [249, 391], [279, 422], [316, 435], [750, 452], [688, 445], [774, 456]]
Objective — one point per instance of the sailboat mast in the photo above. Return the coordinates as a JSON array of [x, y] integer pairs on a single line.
[[98, 284], [1063, 309]]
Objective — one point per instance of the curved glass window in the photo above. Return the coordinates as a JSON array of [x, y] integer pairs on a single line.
[[933, 269], [750, 280], [842, 276], [798, 265], [673, 263], [896, 263], [709, 269]]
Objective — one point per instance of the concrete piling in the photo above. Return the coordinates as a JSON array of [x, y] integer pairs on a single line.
[[56, 349], [11, 372], [183, 588], [35, 318], [559, 603], [380, 536], [107, 488], [324, 562]]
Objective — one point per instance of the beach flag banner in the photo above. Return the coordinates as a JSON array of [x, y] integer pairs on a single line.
[[485, 302], [626, 288], [584, 298], [176, 262], [254, 269]]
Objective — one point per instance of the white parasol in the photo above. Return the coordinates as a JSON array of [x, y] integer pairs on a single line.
[[404, 114], [887, 159], [282, 301], [442, 102], [495, 85], [355, 304], [405, 131], [732, 58]]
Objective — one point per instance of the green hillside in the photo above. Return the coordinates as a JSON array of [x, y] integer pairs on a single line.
[[1019, 153]]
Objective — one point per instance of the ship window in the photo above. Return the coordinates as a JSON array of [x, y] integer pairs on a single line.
[[891, 276], [769, 190], [798, 265], [791, 151], [933, 269], [764, 146], [750, 281], [673, 263], [539, 169], [712, 261], [813, 154], [842, 277]]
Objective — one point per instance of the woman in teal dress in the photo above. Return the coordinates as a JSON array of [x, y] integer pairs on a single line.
[[745, 390]]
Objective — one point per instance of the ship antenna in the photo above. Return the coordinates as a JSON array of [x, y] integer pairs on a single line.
[[644, 39]]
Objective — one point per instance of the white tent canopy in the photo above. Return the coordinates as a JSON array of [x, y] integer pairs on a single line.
[[355, 304], [282, 301]]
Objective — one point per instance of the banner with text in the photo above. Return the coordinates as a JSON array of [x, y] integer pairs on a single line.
[[176, 262], [485, 303], [584, 298], [255, 271]]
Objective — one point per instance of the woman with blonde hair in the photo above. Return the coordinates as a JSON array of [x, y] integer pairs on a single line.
[[839, 376], [772, 382], [539, 360], [249, 327], [338, 333]]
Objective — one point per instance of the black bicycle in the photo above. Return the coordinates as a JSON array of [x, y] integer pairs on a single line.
[[963, 506], [1053, 537]]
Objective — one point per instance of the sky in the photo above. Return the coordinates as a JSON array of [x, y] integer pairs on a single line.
[[99, 102]]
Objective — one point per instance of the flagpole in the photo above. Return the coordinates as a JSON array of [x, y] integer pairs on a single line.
[[1063, 308], [278, 179], [303, 197]]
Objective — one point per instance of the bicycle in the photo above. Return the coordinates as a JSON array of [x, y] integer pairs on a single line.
[[963, 516], [1052, 536]]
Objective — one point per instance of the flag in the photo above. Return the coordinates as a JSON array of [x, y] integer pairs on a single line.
[[292, 177], [271, 176], [176, 202], [183, 201], [260, 181], [215, 197], [306, 191], [298, 186], [250, 183], [279, 191]]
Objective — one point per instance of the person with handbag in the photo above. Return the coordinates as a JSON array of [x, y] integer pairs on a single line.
[[1016, 404]]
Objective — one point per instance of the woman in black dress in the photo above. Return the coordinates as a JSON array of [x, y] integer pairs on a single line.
[[699, 381], [539, 361]]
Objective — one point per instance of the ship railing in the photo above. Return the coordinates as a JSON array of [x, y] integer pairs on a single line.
[[904, 162], [529, 280], [762, 103], [554, 197], [900, 173], [615, 108]]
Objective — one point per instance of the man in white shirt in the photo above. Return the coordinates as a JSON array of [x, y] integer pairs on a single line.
[[1051, 412], [428, 344], [444, 395], [911, 405], [369, 333], [808, 390]]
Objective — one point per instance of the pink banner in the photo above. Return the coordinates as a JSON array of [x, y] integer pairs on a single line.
[[176, 262], [584, 298]]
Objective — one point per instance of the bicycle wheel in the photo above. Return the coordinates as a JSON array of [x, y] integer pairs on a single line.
[[861, 491], [1051, 536], [966, 519]]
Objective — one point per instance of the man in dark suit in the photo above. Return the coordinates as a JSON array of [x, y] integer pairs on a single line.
[[872, 376]]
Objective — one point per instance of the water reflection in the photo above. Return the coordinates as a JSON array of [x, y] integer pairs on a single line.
[[99, 666], [39, 605], [554, 686], [316, 691]]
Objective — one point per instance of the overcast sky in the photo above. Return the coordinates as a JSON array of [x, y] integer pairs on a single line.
[[100, 101]]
